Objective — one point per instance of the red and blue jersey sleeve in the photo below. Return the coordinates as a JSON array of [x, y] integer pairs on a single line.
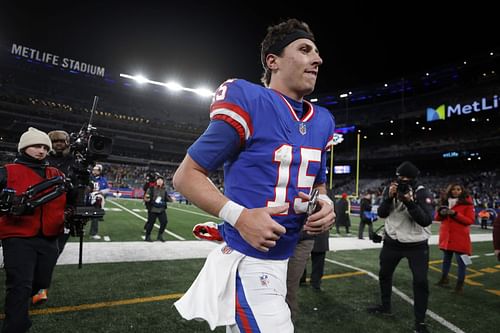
[[232, 105]]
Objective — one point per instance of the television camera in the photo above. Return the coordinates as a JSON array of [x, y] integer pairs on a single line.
[[86, 147]]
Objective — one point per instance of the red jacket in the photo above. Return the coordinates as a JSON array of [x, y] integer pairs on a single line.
[[47, 219], [454, 233]]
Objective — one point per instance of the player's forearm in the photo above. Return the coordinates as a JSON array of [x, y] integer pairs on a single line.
[[191, 180]]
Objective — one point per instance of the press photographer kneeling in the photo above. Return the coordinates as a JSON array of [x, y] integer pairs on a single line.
[[29, 225], [408, 211]]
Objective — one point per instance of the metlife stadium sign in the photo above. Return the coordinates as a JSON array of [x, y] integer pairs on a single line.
[[56, 60], [443, 111]]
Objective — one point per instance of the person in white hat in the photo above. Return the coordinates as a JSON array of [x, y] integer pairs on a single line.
[[29, 241]]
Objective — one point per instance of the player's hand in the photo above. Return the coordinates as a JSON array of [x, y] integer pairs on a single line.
[[258, 228], [322, 220]]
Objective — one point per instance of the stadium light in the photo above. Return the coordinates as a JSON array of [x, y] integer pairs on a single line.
[[343, 95], [203, 92], [171, 85]]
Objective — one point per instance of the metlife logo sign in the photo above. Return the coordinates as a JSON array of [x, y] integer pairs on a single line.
[[443, 111]]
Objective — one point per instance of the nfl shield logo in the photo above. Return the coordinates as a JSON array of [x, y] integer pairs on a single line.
[[302, 128]]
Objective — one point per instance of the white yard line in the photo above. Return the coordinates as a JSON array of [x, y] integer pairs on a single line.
[[405, 297], [195, 213], [145, 219]]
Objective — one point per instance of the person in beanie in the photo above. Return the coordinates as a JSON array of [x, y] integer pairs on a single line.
[[157, 198], [60, 158], [29, 241], [408, 212]]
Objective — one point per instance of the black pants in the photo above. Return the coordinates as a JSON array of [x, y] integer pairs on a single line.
[[61, 242], [162, 217], [318, 268], [418, 260], [29, 263], [362, 224]]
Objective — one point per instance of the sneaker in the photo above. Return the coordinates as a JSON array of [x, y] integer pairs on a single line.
[[421, 328], [160, 238], [148, 239], [379, 309], [40, 297], [208, 231], [95, 237]]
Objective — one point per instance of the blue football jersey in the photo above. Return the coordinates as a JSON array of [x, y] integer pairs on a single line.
[[280, 155]]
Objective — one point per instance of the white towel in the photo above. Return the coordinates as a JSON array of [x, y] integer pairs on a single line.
[[211, 297]]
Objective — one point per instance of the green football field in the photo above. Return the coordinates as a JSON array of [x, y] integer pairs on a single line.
[[138, 297]]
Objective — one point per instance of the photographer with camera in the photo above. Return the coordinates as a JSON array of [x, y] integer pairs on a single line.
[[407, 210], [150, 182], [28, 232], [156, 197]]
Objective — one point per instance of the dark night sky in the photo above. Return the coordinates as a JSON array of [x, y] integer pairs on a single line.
[[361, 43]]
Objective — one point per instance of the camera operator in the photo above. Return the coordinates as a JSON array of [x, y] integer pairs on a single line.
[[29, 241], [101, 188], [407, 210], [60, 157]]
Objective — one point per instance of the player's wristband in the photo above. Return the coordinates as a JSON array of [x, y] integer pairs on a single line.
[[230, 212], [324, 197]]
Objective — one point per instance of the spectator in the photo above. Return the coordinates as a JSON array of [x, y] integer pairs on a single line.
[[342, 213], [456, 215], [318, 255], [484, 216], [101, 188], [496, 236], [366, 216], [296, 266]]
